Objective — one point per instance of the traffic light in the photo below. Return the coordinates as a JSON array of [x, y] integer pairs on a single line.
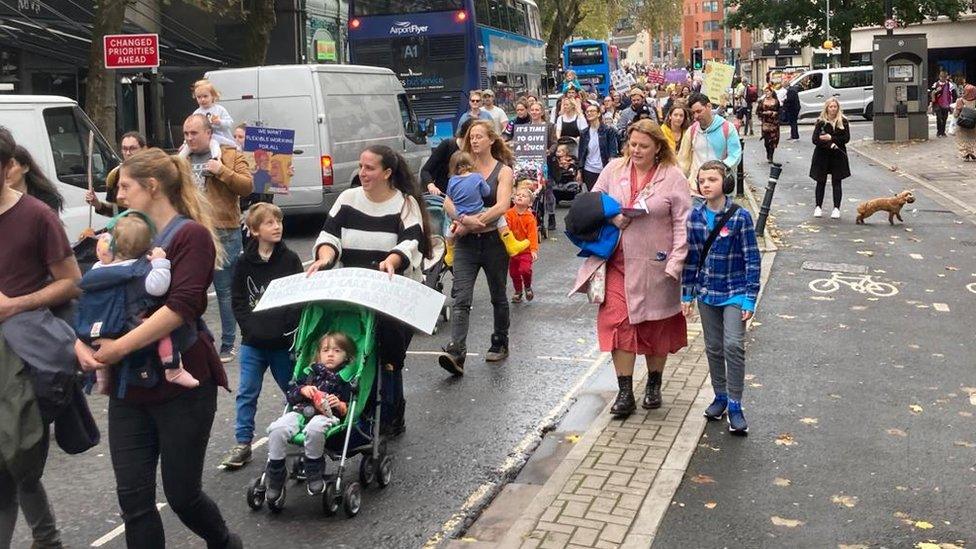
[[697, 56]]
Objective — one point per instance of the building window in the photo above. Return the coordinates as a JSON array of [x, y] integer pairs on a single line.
[[710, 26], [696, 26], [710, 45], [710, 6]]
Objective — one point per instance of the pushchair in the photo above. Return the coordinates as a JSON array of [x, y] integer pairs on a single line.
[[434, 269], [358, 432], [564, 184]]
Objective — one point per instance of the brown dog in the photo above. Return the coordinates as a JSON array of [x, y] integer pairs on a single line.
[[892, 205]]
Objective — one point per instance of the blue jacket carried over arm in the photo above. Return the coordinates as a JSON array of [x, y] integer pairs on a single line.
[[588, 224]]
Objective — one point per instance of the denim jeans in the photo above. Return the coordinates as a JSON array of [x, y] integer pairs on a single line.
[[173, 435], [254, 362], [233, 245], [724, 332], [472, 253]]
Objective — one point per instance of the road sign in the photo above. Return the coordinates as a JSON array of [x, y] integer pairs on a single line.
[[131, 51]]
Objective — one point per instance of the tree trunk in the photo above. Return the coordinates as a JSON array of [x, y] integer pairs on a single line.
[[258, 24], [100, 87], [568, 16], [844, 36]]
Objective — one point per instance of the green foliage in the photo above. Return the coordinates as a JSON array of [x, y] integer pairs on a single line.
[[656, 16], [599, 18]]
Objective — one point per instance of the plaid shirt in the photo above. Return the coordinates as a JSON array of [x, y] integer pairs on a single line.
[[733, 263]]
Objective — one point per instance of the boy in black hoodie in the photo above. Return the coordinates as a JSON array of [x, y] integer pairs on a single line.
[[266, 335]]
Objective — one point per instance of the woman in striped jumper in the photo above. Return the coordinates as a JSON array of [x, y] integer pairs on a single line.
[[380, 225]]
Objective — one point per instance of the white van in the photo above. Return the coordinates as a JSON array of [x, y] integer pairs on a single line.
[[852, 86], [336, 112], [55, 131]]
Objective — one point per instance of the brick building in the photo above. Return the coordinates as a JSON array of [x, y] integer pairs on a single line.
[[701, 27]]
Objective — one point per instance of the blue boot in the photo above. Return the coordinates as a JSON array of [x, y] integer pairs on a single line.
[[717, 408], [737, 420]]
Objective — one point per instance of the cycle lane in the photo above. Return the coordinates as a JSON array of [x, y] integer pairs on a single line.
[[860, 403]]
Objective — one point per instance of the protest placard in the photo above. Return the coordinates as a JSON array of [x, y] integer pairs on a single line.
[[622, 80], [677, 76], [402, 298], [655, 77], [718, 79], [268, 152], [529, 145]]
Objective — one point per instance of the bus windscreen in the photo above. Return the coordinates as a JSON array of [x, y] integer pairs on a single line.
[[585, 55], [396, 7], [421, 63]]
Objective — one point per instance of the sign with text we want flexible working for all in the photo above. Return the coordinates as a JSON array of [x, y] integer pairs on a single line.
[[131, 51]]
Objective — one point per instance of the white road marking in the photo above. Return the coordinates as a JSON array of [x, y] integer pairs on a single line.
[[565, 358], [916, 256], [434, 353], [515, 456], [117, 531], [941, 307]]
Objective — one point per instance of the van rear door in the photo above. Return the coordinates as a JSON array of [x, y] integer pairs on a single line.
[[849, 88]]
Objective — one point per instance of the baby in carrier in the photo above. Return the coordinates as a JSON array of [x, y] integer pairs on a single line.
[[467, 190], [319, 396], [123, 288]]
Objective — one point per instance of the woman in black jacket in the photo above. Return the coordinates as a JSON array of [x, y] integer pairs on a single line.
[[593, 157], [830, 137], [436, 171]]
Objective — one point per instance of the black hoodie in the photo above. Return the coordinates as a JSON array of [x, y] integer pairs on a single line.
[[269, 330]]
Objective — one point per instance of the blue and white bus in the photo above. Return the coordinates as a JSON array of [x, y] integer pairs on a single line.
[[593, 61], [442, 49]]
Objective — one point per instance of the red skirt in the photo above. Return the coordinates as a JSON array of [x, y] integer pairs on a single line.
[[616, 333]]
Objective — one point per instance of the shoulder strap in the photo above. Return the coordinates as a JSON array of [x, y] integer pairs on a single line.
[[719, 223], [166, 236]]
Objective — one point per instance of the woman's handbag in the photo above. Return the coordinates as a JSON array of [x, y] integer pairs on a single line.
[[596, 288]]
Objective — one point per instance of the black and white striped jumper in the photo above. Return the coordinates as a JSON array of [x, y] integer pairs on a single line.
[[363, 233]]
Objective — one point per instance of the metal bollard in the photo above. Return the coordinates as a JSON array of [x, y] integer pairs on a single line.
[[740, 171], [774, 172]]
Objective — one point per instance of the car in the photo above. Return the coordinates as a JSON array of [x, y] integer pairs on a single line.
[[55, 130], [336, 111], [852, 86]]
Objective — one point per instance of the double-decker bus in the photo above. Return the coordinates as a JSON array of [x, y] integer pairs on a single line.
[[593, 61], [442, 49]]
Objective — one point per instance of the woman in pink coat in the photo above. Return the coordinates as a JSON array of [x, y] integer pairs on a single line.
[[641, 310]]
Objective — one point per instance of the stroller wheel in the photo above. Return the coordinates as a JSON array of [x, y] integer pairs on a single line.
[[446, 313], [276, 506], [298, 469], [367, 470], [330, 503], [255, 494], [352, 497], [385, 471]]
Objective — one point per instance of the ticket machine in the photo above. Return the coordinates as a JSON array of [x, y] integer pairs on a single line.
[[900, 87]]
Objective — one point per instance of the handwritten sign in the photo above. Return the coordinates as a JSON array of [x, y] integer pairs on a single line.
[[268, 152], [718, 79], [655, 77], [402, 298], [529, 143]]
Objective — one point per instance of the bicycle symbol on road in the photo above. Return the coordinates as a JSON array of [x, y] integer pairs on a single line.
[[862, 284]]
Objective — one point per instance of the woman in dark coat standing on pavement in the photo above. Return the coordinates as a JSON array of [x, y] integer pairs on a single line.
[[768, 112], [830, 137]]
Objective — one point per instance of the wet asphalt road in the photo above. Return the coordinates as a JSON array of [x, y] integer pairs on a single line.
[[836, 374], [459, 432]]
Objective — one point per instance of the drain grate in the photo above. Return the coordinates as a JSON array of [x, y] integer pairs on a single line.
[[834, 267]]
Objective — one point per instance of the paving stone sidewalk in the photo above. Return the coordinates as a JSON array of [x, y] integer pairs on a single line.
[[613, 489]]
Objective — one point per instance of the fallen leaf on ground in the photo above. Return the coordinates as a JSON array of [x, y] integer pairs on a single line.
[[923, 525], [786, 317], [789, 523], [779, 481], [785, 439], [710, 505], [573, 439], [855, 546], [915, 408], [927, 545], [702, 479], [896, 432], [834, 396], [846, 501], [964, 444], [809, 421], [867, 253], [951, 268]]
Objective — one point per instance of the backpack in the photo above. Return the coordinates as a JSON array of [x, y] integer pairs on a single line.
[[752, 93], [966, 118]]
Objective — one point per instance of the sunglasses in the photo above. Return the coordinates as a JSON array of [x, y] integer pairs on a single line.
[[475, 100]]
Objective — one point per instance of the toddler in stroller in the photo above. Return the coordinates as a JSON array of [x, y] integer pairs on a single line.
[[319, 397]]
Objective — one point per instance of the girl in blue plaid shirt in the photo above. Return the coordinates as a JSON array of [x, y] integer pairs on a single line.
[[726, 284]]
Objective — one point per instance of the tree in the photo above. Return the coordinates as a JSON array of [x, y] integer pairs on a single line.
[[807, 19], [657, 16], [559, 20], [258, 24], [599, 18], [100, 87]]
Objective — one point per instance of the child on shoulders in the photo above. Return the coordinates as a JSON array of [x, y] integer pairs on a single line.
[[724, 279]]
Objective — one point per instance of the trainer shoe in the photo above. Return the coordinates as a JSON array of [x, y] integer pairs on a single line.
[[717, 408], [238, 457], [835, 214], [737, 420], [817, 212], [314, 481], [498, 350], [227, 354], [275, 476], [452, 360]]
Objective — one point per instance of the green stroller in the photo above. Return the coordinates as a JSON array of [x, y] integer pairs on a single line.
[[359, 430]]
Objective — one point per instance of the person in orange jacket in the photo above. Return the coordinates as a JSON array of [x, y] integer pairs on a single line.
[[522, 223]]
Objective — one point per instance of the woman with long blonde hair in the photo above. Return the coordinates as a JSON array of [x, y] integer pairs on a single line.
[[164, 419], [641, 309], [830, 136], [482, 248]]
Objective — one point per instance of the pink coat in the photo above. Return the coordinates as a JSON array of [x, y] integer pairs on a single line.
[[653, 285]]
